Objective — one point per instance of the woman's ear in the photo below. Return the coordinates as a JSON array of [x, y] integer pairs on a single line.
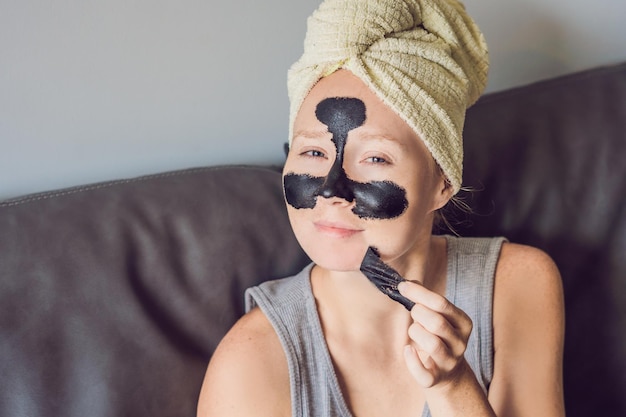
[[443, 193], [286, 149]]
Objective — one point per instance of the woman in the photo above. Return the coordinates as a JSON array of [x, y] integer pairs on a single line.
[[377, 107]]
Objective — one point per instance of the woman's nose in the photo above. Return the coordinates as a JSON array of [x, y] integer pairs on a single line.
[[337, 184]]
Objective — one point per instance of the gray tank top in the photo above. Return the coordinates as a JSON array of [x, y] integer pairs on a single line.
[[290, 306]]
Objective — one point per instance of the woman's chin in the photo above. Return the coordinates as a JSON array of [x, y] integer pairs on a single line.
[[342, 261]]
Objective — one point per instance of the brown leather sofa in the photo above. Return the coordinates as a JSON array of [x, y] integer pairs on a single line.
[[113, 296]]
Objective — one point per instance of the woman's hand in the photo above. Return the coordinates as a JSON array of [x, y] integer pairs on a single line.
[[439, 335]]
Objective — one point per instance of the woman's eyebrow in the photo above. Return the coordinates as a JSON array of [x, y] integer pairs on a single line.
[[312, 134], [382, 137]]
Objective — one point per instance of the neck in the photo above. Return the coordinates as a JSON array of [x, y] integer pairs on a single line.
[[351, 304]]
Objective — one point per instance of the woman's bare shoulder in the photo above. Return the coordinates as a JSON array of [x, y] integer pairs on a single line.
[[516, 256], [528, 322], [248, 373], [527, 273], [527, 279]]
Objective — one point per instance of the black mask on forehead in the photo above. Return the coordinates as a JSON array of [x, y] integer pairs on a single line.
[[374, 200]]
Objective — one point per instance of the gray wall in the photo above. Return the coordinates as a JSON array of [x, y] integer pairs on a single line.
[[99, 90]]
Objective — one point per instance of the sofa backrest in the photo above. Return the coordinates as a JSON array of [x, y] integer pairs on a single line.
[[113, 296]]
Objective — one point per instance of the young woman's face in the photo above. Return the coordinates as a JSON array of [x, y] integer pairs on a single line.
[[357, 176]]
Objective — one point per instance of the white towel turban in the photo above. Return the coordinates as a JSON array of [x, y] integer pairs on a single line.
[[426, 59]]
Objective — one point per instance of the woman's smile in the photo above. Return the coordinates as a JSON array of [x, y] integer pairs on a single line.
[[336, 229]]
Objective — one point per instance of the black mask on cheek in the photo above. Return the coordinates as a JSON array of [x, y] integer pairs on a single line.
[[375, 200]]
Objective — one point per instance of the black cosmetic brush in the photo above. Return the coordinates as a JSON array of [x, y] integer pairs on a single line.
[[384, 277]]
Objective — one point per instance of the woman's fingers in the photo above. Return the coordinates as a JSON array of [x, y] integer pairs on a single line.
[[447, 312], [439, 335], [440, 328], [433, 347], [415, 363]]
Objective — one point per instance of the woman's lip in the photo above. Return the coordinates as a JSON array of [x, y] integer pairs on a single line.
[[336, 229]]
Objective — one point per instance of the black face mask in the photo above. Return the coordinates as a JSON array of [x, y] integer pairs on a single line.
[[373, 200]]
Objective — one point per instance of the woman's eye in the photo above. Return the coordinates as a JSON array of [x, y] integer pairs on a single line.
[[376, 160], [314, 153]]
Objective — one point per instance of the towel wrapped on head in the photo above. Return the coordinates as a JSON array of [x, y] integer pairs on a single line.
[[426, 59]]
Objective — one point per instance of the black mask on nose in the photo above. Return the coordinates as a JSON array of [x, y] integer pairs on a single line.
[[373, 200]]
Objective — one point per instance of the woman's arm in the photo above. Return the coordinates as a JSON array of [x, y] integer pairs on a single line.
[[529, 322], [248, 374], [528, 341], [435, 355]]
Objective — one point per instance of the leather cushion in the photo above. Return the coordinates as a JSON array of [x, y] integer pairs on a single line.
[[114, 296]]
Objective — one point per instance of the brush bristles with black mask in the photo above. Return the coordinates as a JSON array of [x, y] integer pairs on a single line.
[[384, 277]]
